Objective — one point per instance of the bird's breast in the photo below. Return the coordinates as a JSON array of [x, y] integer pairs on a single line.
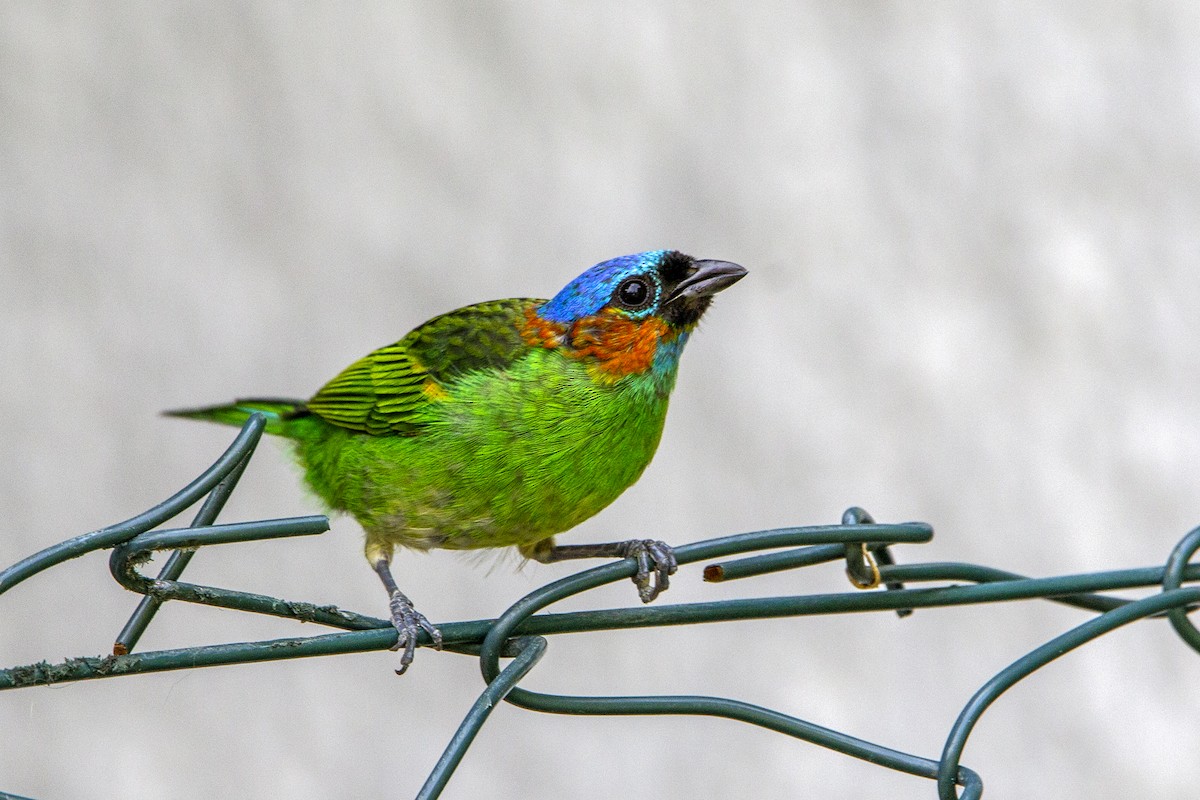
[[543, 446]]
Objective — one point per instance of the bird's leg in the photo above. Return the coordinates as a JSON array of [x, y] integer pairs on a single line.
[[407, 621], [653, 558]]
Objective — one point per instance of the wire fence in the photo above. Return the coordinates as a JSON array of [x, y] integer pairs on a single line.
[[519, 634]]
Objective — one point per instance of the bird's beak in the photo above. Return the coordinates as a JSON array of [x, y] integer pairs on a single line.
[[709, 278]]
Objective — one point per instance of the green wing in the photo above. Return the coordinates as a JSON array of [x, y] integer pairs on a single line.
[[383, 392]]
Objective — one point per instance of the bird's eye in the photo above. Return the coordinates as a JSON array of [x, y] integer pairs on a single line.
[[634, 294]]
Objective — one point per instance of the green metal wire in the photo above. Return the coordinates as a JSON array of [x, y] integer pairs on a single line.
[[529, 650], [241, 448], [178, 561], [519, 633], [7, 796]]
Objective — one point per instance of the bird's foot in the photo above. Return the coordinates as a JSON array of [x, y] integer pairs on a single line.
[[409, 623], [653, 558]]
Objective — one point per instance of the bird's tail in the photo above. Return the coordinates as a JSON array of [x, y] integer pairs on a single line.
[[279, 413]]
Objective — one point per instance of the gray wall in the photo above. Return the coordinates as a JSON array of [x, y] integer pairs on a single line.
[[972, 236]]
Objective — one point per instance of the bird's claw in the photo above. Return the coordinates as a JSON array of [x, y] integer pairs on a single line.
[[653, 558], [409, 623]]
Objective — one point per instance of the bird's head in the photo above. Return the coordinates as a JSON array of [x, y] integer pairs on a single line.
[[665, 284], [632, 315]]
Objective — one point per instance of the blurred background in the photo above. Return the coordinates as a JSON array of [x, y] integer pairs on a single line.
[[972, 239]]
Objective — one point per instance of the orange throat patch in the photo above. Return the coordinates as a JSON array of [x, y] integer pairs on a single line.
[[616, 345]]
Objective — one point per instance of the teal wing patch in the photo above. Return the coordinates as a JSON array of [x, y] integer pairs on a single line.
[[384, 392]]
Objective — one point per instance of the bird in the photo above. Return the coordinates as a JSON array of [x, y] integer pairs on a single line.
[[503, 423]]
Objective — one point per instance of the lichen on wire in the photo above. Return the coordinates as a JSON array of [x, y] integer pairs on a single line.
[[520, 633]]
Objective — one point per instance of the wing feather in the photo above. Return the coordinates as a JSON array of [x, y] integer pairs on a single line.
[[384, 392]]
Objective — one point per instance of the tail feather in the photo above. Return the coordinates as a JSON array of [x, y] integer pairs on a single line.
[[278, 411]]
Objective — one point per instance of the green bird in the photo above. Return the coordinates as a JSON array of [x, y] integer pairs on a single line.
[[503, 423]]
